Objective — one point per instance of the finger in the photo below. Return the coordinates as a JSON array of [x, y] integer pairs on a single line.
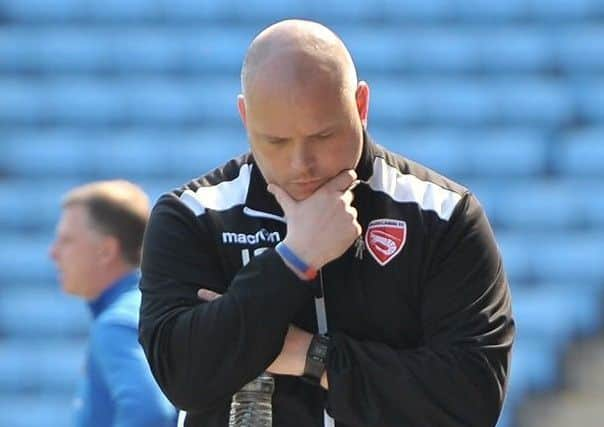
[[348, 197], [342, 181], [284, 200], [354, 184], [207, 295]]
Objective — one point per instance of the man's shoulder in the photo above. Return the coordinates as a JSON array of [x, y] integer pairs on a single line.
[[406, 166], [407, 181], [220, 188], [123, 312], [233, 169]]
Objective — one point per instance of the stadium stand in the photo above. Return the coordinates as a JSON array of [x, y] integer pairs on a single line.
[[506, 97]]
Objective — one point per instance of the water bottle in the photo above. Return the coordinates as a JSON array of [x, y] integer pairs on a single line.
[[252, 405]]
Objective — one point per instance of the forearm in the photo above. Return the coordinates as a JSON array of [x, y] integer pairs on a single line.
[[204, 354], [372, 384]]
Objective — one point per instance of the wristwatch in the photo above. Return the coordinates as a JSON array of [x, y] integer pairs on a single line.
[[316, 356]]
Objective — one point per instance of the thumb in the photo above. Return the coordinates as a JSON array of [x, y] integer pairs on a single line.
[[207, 295], [284, 199]]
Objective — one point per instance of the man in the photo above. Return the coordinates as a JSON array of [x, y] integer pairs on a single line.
[[97, 251], [403, 260]]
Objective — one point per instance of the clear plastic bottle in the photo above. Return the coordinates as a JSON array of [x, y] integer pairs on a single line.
[[252, 405]]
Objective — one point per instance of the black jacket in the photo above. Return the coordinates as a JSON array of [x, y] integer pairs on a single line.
[[423, 340]]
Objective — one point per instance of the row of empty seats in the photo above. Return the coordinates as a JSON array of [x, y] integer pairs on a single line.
[[180, 101], [422, 11], [143, 153], [574, 50], [538, 256]]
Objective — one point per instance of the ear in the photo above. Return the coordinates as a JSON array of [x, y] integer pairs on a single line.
[[362, 98], [241, 108], [109, 250]]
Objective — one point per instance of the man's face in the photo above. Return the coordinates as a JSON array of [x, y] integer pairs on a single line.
[[75, 252], [301, 137]]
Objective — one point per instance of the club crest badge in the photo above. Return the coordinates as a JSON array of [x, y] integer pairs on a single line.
[[385, 238]]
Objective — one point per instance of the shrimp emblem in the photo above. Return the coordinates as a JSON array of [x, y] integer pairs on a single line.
[[385, 238]]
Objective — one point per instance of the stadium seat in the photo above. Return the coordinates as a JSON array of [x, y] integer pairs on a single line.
[[43, 11], [488, 12], [41, 366], [21, 317], [18, 104], [60, 152], [531, 102], [134, 154], [37, 409], [24, 258], [590, 93], [506, 154], [580, 51], [581, 154], [25, 208], [564, 204], [514, 49], [553, 257], [555, 313]]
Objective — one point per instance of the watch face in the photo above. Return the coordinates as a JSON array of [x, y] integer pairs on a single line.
[[322, 351]]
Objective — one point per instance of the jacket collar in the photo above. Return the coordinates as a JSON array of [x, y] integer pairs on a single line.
[[124, 284], [259, 202]]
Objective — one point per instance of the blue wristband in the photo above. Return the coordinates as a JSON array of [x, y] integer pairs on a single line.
[[288, 255]]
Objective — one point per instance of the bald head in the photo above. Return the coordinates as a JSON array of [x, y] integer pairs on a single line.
[[294, 52]]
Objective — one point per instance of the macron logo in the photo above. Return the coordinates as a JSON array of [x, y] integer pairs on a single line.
[[260, 236]]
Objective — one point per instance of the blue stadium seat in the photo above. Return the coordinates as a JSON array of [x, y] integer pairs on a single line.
[[179, 11], [580, 50], [194, 101], [119, 11], [50, 51], [535, 365], [42, 10], [514, 49], [553, 257], [24, 258], [213, 49], [513, 102], [87, 101], [36, 409], [391, 49], [124, 51], [41, 366], [484, 11], [23, 207], [581, 154], [504, 153], [531, 102], [564, 10], [590, 94], [547, 205], [427, 11], [555, 313], [47, 153], [18, 103], [21, 316]]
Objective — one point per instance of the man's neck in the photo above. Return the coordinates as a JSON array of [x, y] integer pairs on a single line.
[[109, 277]]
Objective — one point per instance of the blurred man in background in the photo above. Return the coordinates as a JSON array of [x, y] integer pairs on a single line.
[[405, 273], [97, 252]]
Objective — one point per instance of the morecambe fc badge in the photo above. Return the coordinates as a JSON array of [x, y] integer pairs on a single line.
[[385, 238]]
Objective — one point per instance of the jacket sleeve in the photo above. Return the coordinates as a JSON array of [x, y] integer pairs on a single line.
[[201, 353], [123, 368], [458, 376]]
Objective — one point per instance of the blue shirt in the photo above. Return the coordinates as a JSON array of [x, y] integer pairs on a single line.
[[118, 389]]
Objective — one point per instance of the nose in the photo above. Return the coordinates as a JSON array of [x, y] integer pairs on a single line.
[[302, 158], [53, 251]]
